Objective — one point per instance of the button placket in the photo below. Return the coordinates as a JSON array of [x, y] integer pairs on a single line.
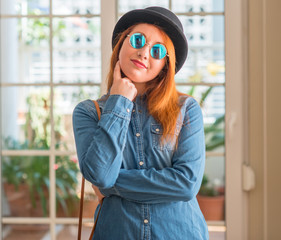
[[146, 222], [138, 135]]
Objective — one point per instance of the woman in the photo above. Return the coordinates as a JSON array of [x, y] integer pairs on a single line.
[[146, 155]]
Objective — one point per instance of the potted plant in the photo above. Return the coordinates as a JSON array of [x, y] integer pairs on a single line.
[[211, 195], [211, 200], [26, 178]]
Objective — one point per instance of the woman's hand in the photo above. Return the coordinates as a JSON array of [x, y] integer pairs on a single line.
[[98, 193], [122, 86]]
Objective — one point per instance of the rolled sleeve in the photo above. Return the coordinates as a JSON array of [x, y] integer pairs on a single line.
[[182, 181], [119, 106], [100, 143]]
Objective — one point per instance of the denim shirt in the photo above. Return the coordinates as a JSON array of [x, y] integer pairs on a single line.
[[150, 187]]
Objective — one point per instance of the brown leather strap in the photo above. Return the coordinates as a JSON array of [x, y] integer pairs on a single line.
[[81, 208], [97, 107], [82, 195], [94, 227]]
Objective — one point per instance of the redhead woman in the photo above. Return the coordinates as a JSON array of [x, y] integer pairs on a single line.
[[146, 155]]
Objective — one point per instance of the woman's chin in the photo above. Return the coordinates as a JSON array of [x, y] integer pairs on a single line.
[[138, 77], [135, 77]]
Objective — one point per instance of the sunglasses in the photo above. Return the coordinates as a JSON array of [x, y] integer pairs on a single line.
[[157, 51]]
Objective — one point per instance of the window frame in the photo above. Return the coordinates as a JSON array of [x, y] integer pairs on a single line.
[[236, 154], [236, 118]]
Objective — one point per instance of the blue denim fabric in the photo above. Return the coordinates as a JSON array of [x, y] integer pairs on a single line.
[[150, 188]]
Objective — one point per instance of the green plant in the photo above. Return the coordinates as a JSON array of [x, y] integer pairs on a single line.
[[36, 31], [34, 170], [207, 188], [214, 133]]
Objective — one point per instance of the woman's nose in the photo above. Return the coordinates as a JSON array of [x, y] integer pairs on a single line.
[[144, 51]]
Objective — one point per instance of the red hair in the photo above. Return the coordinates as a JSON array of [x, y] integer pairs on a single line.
[[162, 95]]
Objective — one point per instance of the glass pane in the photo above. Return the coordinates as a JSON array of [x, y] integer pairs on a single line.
[[67, 200], [69, 232], [211, 197], [25, 7], [212, 101], [26, 232], [77, 50], [76, 7], [68, 189], [25, 117], [206, 56], [25, 186], [181, 6], [25, 50], [127, 5], [66, 98], [215, 171]]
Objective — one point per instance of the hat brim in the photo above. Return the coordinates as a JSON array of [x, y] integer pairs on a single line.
[[152, 17]]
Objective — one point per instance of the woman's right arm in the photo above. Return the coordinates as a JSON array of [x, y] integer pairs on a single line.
[[100, 144]]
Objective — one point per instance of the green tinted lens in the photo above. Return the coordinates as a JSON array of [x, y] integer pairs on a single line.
[[158, 51]]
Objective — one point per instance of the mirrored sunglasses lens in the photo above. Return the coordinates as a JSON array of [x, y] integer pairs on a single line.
[[137, 40], [158, 51]]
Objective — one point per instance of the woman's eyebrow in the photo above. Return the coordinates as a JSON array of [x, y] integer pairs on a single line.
[[146, 37]]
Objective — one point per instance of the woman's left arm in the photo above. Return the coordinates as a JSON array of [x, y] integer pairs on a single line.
[[182, 181]]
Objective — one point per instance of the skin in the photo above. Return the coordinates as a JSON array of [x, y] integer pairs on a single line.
[[129, 58], [131, 63]]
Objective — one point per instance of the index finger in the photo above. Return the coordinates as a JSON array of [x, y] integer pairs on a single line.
[[117, 72]]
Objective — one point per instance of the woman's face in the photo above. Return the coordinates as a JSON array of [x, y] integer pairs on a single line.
[[137, 64]]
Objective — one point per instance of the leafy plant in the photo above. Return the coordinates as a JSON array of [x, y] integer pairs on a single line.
[[36, 31], [208, 189], [214, 133], [34, 170]]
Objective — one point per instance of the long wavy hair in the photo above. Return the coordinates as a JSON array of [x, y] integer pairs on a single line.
[[162, 96]]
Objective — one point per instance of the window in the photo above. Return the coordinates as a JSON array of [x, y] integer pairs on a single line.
[[54, 54]]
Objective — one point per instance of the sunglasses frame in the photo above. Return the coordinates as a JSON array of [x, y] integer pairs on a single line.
[[130, 35]]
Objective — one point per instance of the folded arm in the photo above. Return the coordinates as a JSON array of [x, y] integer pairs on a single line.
[[182, 181]]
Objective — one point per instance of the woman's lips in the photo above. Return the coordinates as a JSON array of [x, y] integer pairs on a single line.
[[139, 64]]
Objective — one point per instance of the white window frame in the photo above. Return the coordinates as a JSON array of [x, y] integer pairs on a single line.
[[236, 138], [235, 119]]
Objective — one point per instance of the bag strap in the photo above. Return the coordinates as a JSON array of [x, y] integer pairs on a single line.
[[82, 195]]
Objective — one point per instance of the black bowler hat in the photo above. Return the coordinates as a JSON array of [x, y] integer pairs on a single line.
[[161, 17]]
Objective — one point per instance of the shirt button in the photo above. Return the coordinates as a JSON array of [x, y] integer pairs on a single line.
[[128, 110], [157, 129], [137, 134], [145, 221], [141, 163], [134, 110]]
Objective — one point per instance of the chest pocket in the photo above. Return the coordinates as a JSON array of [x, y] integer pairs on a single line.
[[169, 143]]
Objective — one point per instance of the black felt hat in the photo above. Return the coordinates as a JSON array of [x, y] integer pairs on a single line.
[[161, 17]]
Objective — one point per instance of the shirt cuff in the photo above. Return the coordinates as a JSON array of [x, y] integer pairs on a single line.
[[119, 105]]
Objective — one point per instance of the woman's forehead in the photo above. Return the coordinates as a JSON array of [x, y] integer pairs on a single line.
[[150, 31]]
